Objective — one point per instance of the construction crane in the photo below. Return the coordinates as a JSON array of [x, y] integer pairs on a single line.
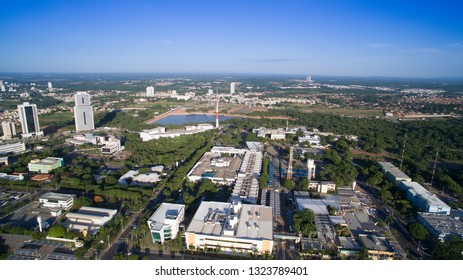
[[289, 175]]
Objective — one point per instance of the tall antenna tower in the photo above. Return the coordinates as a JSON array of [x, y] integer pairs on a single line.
[[217, 111], [289, 176], [403, 152]]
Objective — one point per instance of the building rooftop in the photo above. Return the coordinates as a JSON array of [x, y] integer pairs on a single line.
[[233, 220], [359, 223], [227, 150], [56, 196], [392, 169], [318, 206], [444, 224], [348, 243], [418, 189], [255, 146], [166, 211], [47, 161], [376, 243]]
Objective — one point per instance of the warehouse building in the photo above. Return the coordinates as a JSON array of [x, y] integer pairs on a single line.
[[88, 220]]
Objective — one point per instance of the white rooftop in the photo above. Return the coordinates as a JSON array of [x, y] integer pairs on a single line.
[[167, 211], [233, 220], [390, 168], [56, 196], [418, 189]]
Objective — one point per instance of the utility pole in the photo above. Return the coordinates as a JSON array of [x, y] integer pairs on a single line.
[[403, 152]]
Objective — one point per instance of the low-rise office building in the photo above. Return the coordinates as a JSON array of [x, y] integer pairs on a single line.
[[423, 199], [5, 161], [393, 173], [56, 201], [45, 165], [11, 177], [165, 222], [377, 246], [160, 132], [322, 186], [314, 140], [231, 228], [442, 226], [12, 148]]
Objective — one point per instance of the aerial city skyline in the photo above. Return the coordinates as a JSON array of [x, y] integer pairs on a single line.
[[194, 133], [356, 38]]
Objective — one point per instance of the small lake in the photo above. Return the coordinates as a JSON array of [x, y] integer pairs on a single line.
[[193, 118]]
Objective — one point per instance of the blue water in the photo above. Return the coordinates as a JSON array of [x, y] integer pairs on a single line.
[[194, 118]]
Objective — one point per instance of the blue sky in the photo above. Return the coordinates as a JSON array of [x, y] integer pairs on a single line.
[[349, 38]]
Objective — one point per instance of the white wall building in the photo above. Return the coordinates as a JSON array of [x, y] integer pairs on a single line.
[[144, 179], [150, 91], [7, 177], [423, 199], [29, 120], [232, 87], [314, 140], [322, 186], [164, 223], [56, 201], [393, 173], [231, 227], [83, 112], [12, 148], [160, 132], [310, 169], [9, 130]]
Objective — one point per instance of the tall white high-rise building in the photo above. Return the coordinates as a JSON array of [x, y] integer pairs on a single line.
[[210, 91], [310, 169], [50, 86], [83, 112], [29, 120], [232, 87], [2, 87], [150, 91], [9, 130]]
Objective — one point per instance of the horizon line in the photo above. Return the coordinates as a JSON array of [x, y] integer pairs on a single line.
[[225, 73]]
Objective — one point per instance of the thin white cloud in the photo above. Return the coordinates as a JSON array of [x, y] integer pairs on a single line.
[[380, 46], [277, 60], [426, 50], [455, 44]]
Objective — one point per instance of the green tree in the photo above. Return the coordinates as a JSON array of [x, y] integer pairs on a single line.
[[81, 201], [418, 231], [304, 222], [57, 231], [449, 250], [289, 184]]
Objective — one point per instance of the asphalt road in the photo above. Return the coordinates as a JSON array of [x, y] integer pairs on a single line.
[[112, 250], [404, 239]]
